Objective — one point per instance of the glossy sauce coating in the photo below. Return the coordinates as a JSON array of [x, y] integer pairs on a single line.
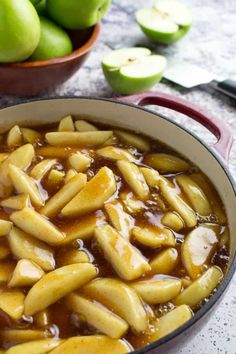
[[60, 321]]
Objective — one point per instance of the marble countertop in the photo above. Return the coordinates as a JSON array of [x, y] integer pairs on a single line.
[[211, 45]]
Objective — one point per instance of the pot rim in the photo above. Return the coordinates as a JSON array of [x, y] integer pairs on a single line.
[[227, 278]]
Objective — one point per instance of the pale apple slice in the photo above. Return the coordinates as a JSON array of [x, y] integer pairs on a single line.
[[157, 290], [198, 247], [131, 70], [92, 197], [120, 298], [195, 195], [201, 288], [166, 22], [12, 302], [54, 205], [166, 163], [57, 284], [24, 246], [23, 335], [35, 224], [173, 221], [66, 124], [165, 261], [115, 153], [173, 320], [97, 315], [153, 236], [121, 221], [26, 273], [127, 261], [96, 344], [17, 202], [5, 227], [42, 346], [91, 138], [134, 177]]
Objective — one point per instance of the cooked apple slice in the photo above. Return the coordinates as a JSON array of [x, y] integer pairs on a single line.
[[80, 162], [173, 320], [151, 176], [64, 195], [26, 273], [212, 196], [166, 22], [42, 346], [30, 136], [153, 236], [22, 158], [14, 137], [201, 288], [121, 221], [131, 203], [57, 284], [12, 302], [84, 126], [69, 174], [42, 319], [93, 195], [115, 153], [6, 270], [131, 70], [173, 221], [16, 202], [134, 178], [96, 344], [120, 298], [83, 228], [165, 261], [3, 156], [42, 168], [66, 124], [178, 204], [5, 227], [98, 316], [25, 246], [198, 247], [23, 335], [25, 184], [73, 256], [195, 195], [37, 225], [157, 290], [54, 152], [132, 139], [127, 261], [55, 177], [165, 163], [94, 138]]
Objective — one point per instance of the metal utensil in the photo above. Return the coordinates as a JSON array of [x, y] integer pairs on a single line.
[[188, 75]]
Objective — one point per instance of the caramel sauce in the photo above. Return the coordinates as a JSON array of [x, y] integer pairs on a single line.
[[63, 323]]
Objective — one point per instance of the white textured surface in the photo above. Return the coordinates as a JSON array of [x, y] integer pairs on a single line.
[[210, 44]]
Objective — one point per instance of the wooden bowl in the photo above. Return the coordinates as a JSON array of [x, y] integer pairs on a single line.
[[32, 78]]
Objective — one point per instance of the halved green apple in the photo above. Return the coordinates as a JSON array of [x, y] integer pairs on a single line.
[[131, 70], [166, 22]]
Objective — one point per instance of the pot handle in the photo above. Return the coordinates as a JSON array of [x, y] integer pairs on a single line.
[[218, 127]]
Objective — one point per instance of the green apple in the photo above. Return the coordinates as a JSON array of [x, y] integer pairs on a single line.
[[131, 70], [54, 41], [166, 22], [35, 2], [77, 14], [41, 8], [19, 30]]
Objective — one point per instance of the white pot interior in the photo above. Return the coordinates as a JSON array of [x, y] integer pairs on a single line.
[[48, 111]]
